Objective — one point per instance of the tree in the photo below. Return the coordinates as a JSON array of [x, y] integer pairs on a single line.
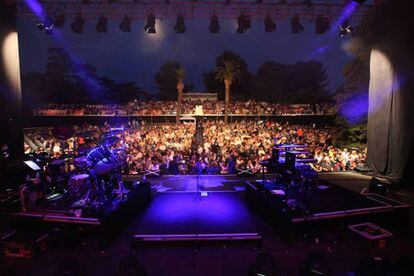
[[180, 76], [303, 82], [167, 82], [228, 73], [242, 89]]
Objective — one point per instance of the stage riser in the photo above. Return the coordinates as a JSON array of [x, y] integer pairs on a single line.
[[221, 240]]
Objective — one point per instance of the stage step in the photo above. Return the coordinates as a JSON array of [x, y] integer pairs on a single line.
[[251, 239]]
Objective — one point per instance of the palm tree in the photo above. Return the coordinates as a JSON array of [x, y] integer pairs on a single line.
[[228, 73], [180, 76]]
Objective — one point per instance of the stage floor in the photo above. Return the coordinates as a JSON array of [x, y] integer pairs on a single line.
[[177, 208], [187, 213], [342, 254]]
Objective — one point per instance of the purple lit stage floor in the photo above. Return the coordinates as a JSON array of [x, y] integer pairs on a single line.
[[176, 208], [183, 213], [188, 183]]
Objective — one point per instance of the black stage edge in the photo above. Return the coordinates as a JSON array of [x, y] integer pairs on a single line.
[[334, 204], [104, 227], [197, 240]]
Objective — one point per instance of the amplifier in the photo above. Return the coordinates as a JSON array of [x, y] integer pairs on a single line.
[[22, 244]]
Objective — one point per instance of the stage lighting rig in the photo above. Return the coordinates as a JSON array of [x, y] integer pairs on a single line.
[[243, 23], [297, 27], [77, 25], [308, 3], [150, 26], [214, 24], [345, 28], [180, 27], [270, 25], [125, 25], [322, 25], [46, 25], [102, 25], [359, 1]]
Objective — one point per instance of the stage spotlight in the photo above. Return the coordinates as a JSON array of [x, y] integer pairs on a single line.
[[60, 21], [46, 25], [308, 3], [214, 24], [180, 27], [345, 28], [102, 25], [322, 25], [77, 25], [270, 25], [243, 23], [296, 25], [150, 26], [125, 25]]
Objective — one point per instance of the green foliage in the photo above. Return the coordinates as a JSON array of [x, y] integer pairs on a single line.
[[180, 74], [166, 80], [230, 71], [241, 89], [350, 136], [65, 81], [303, 82]]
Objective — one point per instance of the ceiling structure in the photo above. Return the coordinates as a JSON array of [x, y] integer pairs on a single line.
[[190, 9]]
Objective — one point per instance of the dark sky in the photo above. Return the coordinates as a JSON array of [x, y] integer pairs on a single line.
[[137, 56]]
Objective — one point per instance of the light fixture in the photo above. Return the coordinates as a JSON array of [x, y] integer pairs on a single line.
[[47, 25], [214, 24], [308, 3], [180, 27], [125, 25], [102, 25], [345, 28], [150, 26], [243, 23], [270, 25], [322, 25], [359, 1], [77, 25], [297, 27]]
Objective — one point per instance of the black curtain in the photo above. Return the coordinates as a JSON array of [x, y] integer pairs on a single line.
[[391, 93]]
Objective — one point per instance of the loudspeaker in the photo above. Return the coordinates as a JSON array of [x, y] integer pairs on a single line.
[[378, 187], [290, 160]]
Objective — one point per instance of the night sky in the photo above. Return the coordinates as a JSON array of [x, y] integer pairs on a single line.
[[137, 56]]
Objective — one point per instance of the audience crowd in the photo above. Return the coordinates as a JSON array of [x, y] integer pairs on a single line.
[[173, 149], [211, 107]]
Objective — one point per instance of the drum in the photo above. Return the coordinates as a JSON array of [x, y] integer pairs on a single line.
[[102, 160], [80, 162], [78, 184], [56, 166]]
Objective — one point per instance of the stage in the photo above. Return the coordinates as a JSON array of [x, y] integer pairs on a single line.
[[177, 211]]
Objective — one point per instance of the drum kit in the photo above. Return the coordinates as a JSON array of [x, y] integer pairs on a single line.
[[96, 175]]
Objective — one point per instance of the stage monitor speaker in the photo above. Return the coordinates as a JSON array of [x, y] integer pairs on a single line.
[[378, 187], [290, 160]]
